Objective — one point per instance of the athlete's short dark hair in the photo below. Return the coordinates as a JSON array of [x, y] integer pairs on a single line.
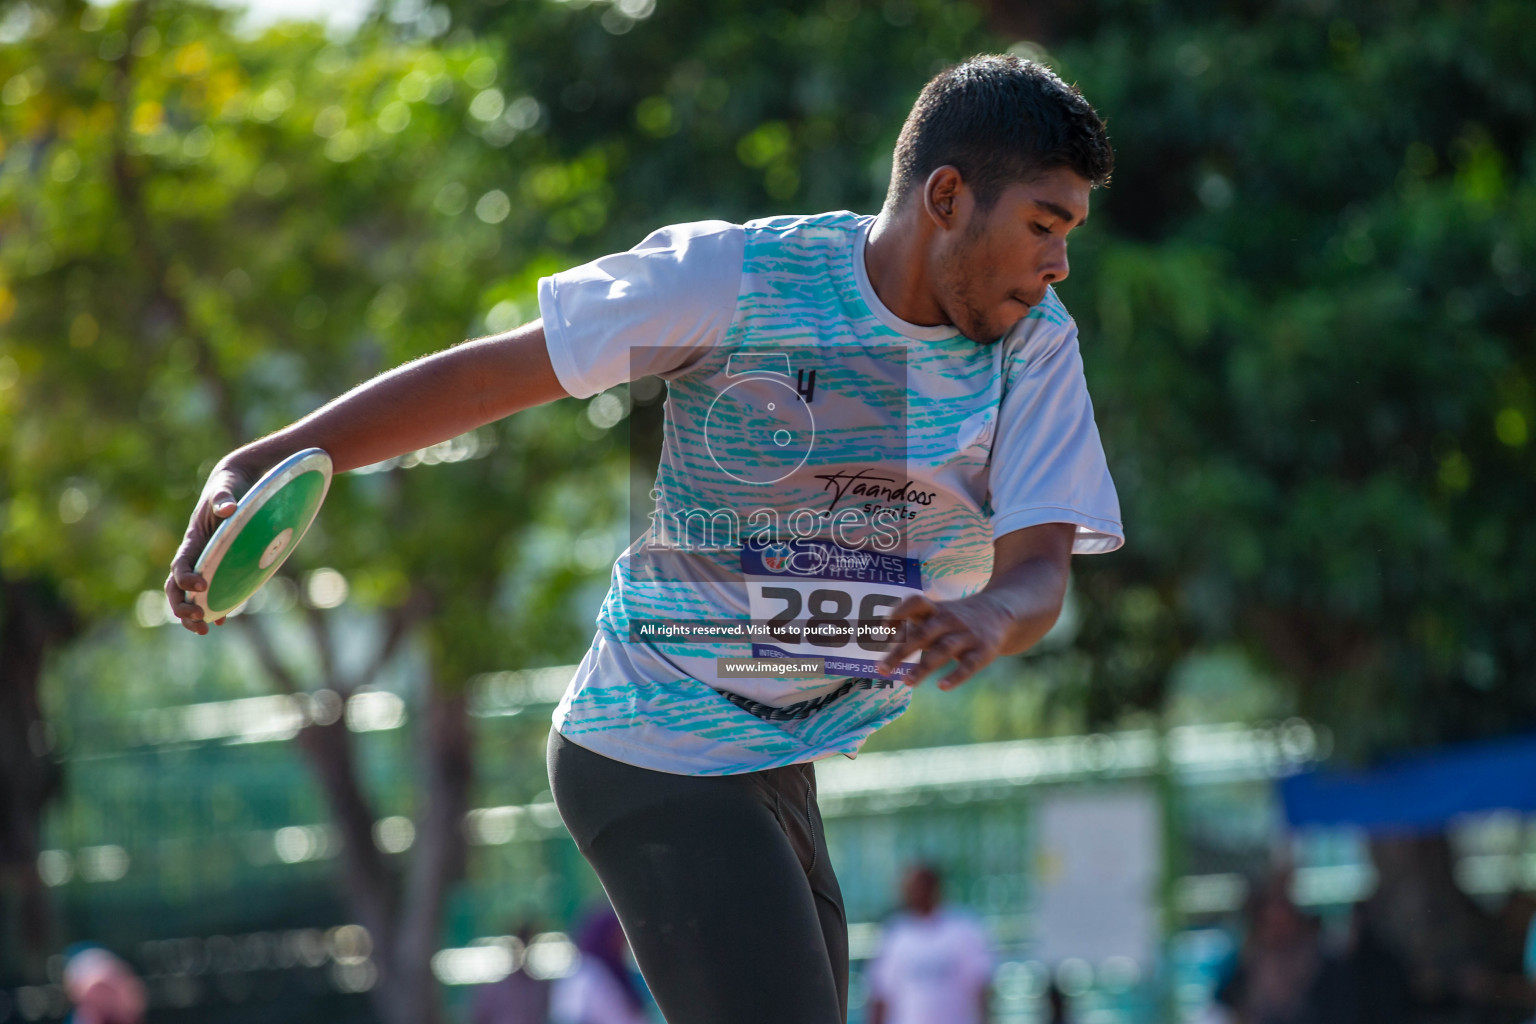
[[998, 119]]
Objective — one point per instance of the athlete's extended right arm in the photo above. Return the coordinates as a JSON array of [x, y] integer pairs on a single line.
[[410, 407]]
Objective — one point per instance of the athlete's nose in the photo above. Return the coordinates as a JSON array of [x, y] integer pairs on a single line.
[[1055, 267]]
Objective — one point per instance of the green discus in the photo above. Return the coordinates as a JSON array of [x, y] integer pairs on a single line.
[[266, 526]]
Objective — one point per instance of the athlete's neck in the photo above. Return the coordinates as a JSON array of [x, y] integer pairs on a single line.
[[898, 272]]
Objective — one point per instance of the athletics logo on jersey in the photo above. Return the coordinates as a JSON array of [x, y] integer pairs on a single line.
[[776, 558], [786, 557]]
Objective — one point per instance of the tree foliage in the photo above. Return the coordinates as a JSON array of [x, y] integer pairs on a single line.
[[1310, 345], [221, 234]]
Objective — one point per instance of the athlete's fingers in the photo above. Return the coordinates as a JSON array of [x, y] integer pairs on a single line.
[[916, 612], [217, 503], [185, 609], [958, 644], [918, 636], [913, 608], [948, 646], [177, 586], [912, 612], [187, 612], [184, 578], [210, 513], [968, 664], [924, 668], [190, 615], [915, 673], [181, 582]]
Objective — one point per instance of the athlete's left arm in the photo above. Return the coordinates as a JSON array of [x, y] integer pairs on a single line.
[[1018, 606]]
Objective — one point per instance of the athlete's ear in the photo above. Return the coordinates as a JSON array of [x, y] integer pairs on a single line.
[[941, 196]]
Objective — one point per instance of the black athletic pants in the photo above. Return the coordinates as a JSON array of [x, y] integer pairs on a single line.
[[722, 883]]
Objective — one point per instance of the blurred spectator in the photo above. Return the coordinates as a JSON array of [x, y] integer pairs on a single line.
[[519, 998], [102, 988], [602, 989], [1504, 985], [1372, 982], [934, 964], [1281, 975], [1057, 1009], [1528, 955], [1215, 1013]]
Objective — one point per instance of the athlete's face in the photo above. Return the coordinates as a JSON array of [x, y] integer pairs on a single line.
[[993, 264]]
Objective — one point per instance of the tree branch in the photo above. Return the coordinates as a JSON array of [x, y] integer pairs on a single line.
[[328, 748], [320, 632], [32, 620], [262, 645], [445, 747], [398, 623], [126, 186]]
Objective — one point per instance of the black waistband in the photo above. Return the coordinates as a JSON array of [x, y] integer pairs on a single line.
[[802, 710]]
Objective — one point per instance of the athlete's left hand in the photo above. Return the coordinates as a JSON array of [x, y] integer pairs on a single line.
[[970, 631], [1018, 606]]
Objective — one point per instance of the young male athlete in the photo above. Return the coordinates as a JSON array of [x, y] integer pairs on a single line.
[[870, 420]]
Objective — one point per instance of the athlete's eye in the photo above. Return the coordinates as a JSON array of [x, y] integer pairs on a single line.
[[1042, 228]]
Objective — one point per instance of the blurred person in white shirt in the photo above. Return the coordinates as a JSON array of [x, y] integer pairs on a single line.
[[602, 989], [934, 964]]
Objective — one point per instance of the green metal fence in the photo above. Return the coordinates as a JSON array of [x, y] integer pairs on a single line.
[[193, 840]]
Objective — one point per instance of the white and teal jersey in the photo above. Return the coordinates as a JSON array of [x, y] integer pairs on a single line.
[[821, 458]]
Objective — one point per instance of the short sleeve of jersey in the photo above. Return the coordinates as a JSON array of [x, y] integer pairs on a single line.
[[652, 310], [1048, 464]]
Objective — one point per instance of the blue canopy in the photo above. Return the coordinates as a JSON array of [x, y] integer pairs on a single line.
[[1418, 793]]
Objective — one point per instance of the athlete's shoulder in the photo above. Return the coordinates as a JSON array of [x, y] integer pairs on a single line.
[[1050, 310], [835, 223], [675, 236], [1044, 329]]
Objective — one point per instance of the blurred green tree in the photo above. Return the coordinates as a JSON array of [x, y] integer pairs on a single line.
[[1309, 335], [1307, 313], [203, 237]]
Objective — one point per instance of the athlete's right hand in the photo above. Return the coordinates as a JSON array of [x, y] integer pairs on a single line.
[[217, 503]]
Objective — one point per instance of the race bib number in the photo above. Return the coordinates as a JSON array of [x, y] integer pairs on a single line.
[[821, 600]]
